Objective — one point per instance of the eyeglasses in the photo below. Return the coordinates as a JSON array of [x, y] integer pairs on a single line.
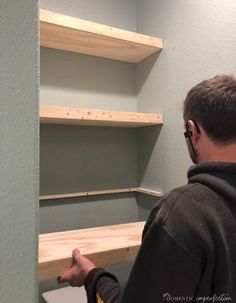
[[189, 133]]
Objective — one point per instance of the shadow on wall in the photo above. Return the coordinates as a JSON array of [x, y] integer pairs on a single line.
[[75, 158], [147, 139], [72, 71], [147, 67], [86, 212], [145, 204]]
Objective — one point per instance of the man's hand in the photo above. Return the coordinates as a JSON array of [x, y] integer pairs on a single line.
[[79, 270]]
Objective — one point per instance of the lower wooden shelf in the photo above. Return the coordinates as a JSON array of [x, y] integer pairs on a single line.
[[107, 245], [102, 192]]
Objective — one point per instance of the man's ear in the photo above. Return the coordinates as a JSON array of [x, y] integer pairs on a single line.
[[194, 128]]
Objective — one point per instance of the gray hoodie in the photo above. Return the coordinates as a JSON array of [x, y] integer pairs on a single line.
[[188, 252]]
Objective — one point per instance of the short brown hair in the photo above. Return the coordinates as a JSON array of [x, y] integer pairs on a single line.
[[212, 104]]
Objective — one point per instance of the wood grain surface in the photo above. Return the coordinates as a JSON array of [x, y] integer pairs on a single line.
[[76, 35], [94, 117], [104, 246]]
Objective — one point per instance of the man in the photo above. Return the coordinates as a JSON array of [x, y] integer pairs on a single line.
[[188, 251]]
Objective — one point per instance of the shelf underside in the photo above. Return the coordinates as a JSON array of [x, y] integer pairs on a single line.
[[105, 246], [94, 117], [76, 35]]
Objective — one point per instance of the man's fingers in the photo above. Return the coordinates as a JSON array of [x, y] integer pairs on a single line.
[[76, 254], [79, 270], [68, 275], [65, 277]]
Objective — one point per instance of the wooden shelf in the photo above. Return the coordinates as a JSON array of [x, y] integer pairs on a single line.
[[149, 192], [101, 192], [94, 117], [81, 36], [87, 193], [105, 246]]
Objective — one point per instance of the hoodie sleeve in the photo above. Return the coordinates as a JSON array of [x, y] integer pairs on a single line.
[[162, 270]]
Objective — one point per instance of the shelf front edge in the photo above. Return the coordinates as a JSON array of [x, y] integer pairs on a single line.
[[105, 246], [55, 268], [94, 117]]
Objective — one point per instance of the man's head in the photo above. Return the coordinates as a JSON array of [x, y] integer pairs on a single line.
[[210, 120]]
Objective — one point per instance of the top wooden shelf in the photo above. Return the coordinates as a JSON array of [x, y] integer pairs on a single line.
[[86, 37]]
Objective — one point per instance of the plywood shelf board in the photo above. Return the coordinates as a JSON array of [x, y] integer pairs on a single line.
[[101, 192], [94, 117], [105, 246], [76, 35]]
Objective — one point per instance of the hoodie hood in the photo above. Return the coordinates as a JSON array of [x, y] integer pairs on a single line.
[[219, 176]]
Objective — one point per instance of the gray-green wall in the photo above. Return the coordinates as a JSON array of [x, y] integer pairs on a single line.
[[18, 151], [121, 13], [200, 42]]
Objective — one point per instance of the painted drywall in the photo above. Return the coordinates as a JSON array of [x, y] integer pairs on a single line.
[[71, 79], [121, 14], [85, 212], [75, 158], [200, 42], [18, 151]]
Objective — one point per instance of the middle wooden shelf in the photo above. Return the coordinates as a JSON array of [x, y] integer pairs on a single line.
[[95, 117]]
